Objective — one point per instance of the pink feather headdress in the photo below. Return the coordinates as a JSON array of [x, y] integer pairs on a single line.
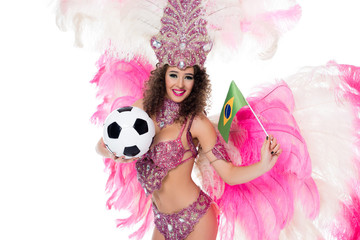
[[183, 39]]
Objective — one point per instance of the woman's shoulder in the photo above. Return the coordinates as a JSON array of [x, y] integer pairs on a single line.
[[139, 103], [200, 117], [203, 129], [201, 123]]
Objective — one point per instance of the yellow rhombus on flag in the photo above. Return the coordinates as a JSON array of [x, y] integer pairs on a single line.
[[233, 102]]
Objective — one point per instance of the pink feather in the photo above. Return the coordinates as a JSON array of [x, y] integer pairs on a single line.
[[127, 194], [284, 20], [120, 83]]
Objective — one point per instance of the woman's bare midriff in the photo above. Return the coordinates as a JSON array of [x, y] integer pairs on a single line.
[[178, 190]]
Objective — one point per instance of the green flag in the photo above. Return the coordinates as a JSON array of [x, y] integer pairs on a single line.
[[233, 102]]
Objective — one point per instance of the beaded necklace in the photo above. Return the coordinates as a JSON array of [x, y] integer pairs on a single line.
[[168, 113]]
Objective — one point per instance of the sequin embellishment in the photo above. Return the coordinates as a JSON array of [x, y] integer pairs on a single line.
[[168, 113], [160, 159], [183, 39], [179, 225], [219, 150]]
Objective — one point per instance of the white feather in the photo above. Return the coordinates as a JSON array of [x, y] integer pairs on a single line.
[[325, 121], [123, 26]]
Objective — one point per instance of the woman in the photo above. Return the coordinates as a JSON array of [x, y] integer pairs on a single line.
[[175, 99]]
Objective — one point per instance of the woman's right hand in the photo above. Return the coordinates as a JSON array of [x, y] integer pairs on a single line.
[[104, 151], [122, 159]]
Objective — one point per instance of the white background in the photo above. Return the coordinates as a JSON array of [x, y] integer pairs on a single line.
[[51, 180]]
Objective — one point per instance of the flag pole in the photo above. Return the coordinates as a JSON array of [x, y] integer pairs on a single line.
[[256, 117]]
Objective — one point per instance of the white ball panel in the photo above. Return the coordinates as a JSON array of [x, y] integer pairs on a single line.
[[129, 137], [125, 119]]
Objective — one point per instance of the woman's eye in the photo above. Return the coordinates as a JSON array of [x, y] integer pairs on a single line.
[[173, 75], [189, 77]]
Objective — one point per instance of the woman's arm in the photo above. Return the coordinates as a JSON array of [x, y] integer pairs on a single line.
[[204, 131], [237, 175]]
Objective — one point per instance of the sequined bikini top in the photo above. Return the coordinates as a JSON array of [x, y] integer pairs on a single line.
[[153, 166]]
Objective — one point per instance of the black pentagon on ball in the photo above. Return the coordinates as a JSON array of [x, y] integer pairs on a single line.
[[141, 126], [131, 151], [113, 130], [124, 109]]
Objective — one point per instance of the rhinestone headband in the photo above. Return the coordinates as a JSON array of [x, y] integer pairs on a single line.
[[183, 40]]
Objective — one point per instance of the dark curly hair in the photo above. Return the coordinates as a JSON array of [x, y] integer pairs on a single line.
[[194, 104]]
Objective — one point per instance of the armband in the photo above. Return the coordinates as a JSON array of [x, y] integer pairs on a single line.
[[219, 151]]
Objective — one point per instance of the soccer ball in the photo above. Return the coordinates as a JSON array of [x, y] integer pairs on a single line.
[[129, 132]]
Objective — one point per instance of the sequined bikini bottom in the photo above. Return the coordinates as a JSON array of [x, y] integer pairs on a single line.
[[179, 225]]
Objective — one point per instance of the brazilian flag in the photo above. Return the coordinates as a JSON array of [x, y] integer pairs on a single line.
[[233, 102]]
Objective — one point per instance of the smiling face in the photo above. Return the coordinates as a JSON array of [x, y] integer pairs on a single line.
[[179, 83]]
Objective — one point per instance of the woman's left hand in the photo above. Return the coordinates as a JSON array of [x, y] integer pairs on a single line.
[[270, 152]]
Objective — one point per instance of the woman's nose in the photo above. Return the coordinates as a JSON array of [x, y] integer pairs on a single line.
[[180, 82]]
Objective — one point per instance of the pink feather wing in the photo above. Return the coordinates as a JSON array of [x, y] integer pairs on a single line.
[[120, 83], [265, 205]]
